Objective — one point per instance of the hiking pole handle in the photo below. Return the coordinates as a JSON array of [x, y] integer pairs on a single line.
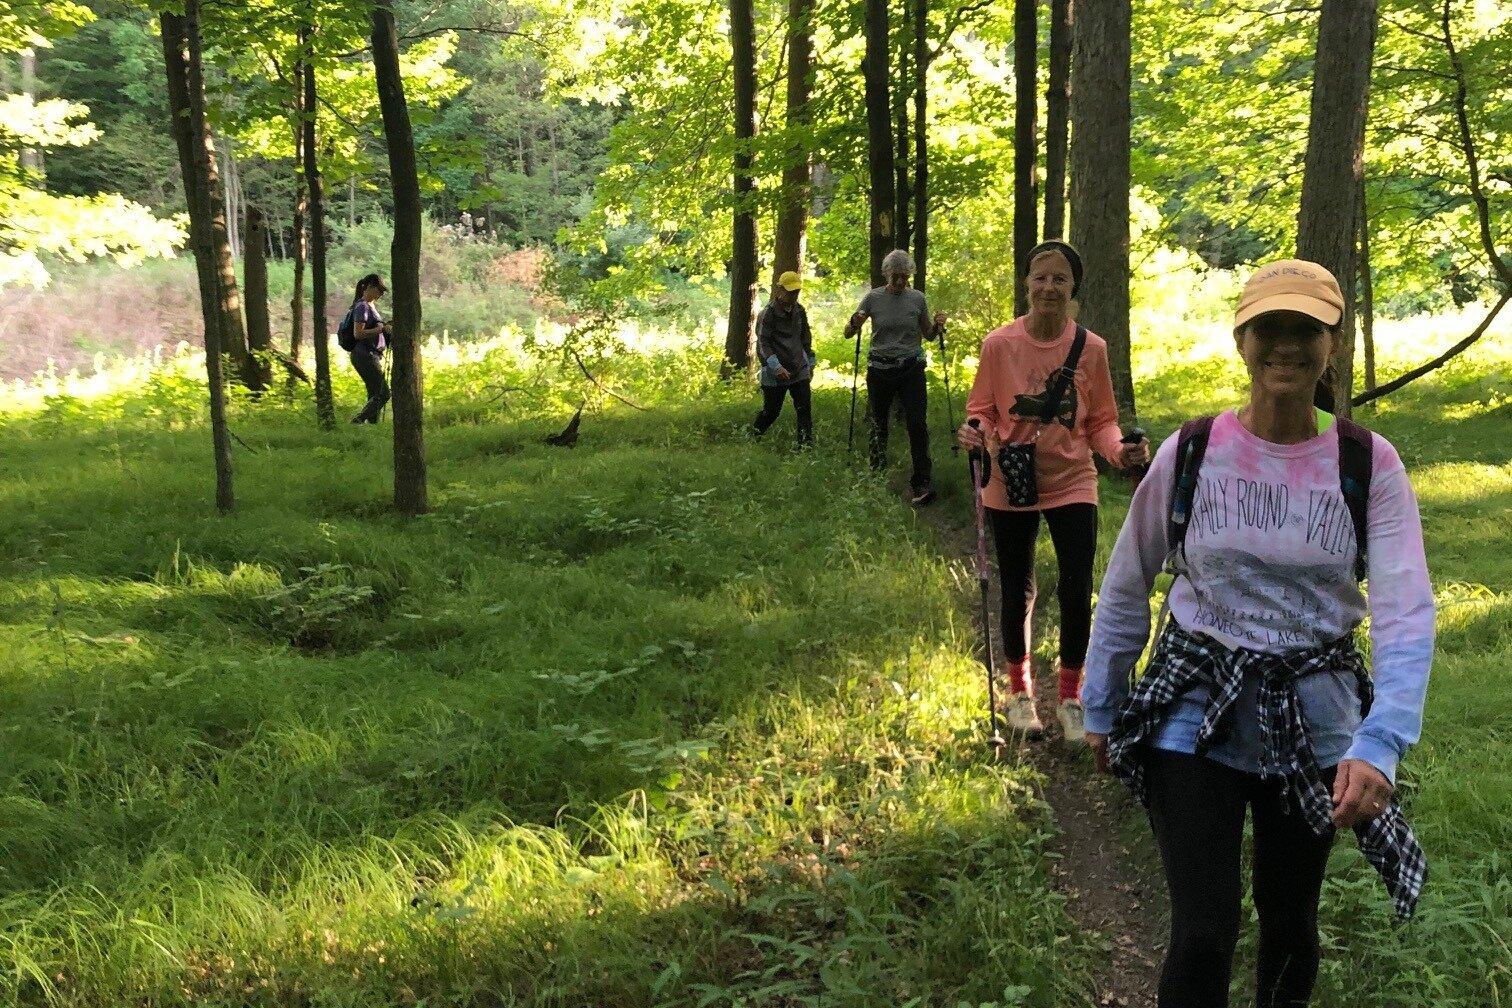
[[981, 460]]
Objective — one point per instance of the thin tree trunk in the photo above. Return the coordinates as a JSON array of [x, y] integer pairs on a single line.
[[1100, 180], [879, 149], [296, 300], [31, 157], [1332, 170], [410, 495], [921, 141], [737, 355], [1367, 293], [255, 277], [1057, 118], [1025, 145], [351, 202], [320, 328], [792, 215], [186, 102]]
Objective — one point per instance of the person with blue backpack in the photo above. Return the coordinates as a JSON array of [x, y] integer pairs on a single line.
[[1255, 700], [364, 336]]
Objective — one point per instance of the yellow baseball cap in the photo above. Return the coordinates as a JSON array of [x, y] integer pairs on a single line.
[[1291, 285], [790, 281]]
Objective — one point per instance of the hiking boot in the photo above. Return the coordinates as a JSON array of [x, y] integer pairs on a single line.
[[1071, 716], [1022, 716], [922, 496]]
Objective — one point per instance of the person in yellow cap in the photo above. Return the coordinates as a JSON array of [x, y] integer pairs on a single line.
[[785, 345], [1255, 702]]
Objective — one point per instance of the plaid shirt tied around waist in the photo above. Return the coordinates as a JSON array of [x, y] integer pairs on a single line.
[[1182, 660]]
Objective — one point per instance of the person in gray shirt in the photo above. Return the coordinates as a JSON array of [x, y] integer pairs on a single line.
[[895, 366]]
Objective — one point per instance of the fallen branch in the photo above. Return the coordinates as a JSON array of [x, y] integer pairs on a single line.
[[1437, 362], [289, 364], [598, 385]]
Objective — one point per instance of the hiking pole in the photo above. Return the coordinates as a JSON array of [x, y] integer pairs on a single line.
[[955, 449], [980, 469], [1136, 434], [850, 437]]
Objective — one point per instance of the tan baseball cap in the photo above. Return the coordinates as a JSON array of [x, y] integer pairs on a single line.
[[1291, 285], [789, 281]]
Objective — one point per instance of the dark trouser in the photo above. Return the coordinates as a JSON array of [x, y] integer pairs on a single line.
[[369, 365], [905, 384], [771, 406], [1197, 808], [1073, 532]]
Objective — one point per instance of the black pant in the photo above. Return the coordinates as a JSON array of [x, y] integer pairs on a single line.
[[369, 365], [1073, 532], [771, 405], [1197, 808], [905, 384]]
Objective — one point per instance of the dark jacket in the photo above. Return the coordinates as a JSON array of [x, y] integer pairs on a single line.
[[783, 338]]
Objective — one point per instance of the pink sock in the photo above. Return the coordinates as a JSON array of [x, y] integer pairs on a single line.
[[1019, 680], [1070, 683]]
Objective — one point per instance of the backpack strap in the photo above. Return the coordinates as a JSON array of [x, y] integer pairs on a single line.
[[1356, 460], [1191, 446], [1064, 377]]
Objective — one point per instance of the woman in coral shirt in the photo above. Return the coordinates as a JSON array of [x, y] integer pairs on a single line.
[[1014, 382]]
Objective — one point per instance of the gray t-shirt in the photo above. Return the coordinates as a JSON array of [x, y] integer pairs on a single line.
[[899, 324]]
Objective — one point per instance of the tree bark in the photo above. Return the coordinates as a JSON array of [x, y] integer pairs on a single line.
[[879, 150], [186, 103], [901, 93], [255, 278], [31, 157], [1057, 117], [1025, 145], [320, 328], [737, 355], [792, 215], [1100, 112], [1367, 292], [1332, 169], [296, 300], [410, 495], [921, 141]]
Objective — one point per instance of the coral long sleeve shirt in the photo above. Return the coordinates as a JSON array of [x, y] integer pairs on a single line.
[[1012, 382]]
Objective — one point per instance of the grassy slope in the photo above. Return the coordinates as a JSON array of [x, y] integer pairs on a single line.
[[667, 719]]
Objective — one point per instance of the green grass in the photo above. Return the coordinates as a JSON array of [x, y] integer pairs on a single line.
[[672, 718]]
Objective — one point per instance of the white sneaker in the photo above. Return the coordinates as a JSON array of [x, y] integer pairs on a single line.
[[1071, 718], [1022, 716]]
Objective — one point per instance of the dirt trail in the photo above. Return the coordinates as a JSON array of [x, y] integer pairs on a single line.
[[1108, 867]]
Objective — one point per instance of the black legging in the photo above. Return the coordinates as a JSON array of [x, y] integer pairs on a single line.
[[1073, 532], [907, 385], [1197, 808], [369, 365], [771, 406]]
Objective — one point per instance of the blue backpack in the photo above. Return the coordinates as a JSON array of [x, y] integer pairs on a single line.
[[346, 333]]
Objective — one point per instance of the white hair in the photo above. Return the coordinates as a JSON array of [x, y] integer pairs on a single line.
[[897, 261]]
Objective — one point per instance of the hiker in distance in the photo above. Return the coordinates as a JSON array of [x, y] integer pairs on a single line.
[[1043, 402], [364, 335], [1255, 697], [785, 345], [895, 366]]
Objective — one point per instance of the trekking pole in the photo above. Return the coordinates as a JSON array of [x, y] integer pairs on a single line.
[[1136, 434], [388, 378], [955, 449], [980, 468], [850, 437]]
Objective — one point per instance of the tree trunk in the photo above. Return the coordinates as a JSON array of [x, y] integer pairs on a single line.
[[186, 103], [409, 393], [1100, 180], [902, 194], [792, 215], [255, 277], [296, 300], [879, 150], [31, 157], [737, 355], [1367, 293], [320, 328], [1025, 145], [1332, 170], [1057, 121], [921, 141], [351, 202]]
